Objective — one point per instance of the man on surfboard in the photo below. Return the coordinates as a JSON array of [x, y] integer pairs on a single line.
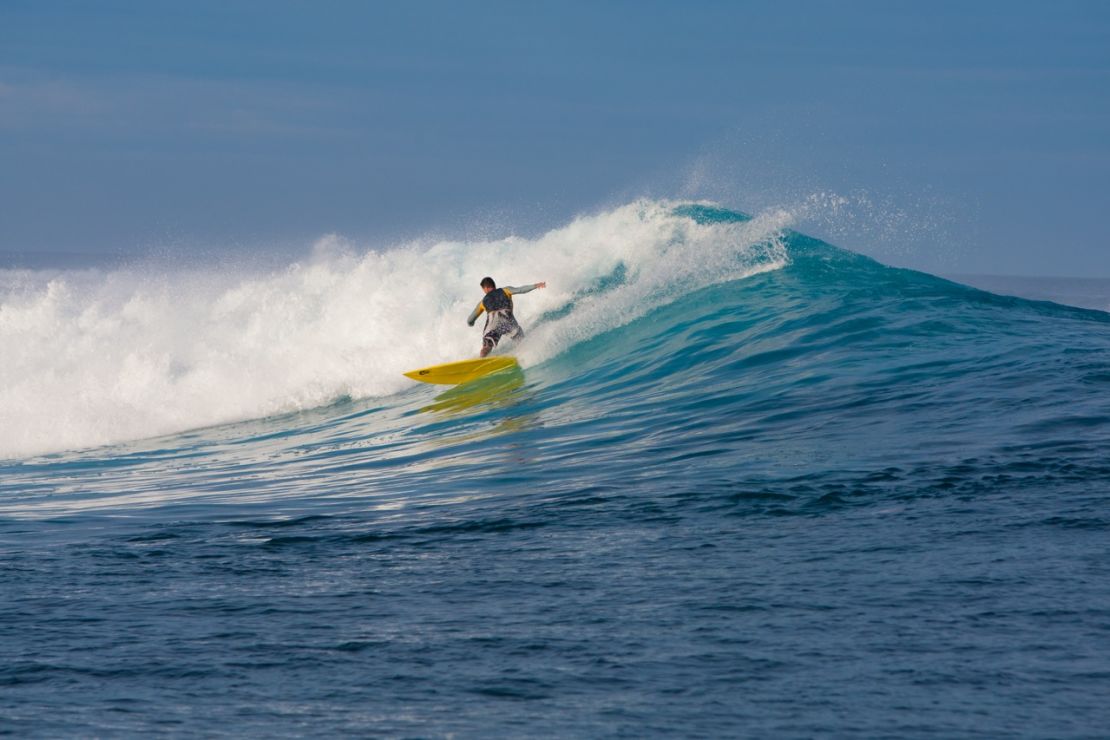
[[498, 305]]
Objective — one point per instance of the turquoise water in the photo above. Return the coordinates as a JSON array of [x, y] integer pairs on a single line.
[[774, 488]]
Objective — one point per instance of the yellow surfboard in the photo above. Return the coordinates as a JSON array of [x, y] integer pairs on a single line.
[[454, 373]]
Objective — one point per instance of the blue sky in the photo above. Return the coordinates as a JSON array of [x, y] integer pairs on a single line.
[[964, 137]]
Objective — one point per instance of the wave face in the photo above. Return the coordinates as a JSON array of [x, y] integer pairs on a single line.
[[749, 480]]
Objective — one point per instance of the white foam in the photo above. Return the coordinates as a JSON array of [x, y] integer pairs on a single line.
[[95, 357]]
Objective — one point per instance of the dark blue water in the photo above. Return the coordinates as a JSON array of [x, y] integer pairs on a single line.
[[832, 499]]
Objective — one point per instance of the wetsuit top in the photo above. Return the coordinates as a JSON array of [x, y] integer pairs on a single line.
[[498, 299]]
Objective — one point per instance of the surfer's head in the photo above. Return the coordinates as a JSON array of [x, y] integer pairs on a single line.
[[488, 284]]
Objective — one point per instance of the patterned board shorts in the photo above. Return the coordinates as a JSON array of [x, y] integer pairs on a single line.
[[504, 324]]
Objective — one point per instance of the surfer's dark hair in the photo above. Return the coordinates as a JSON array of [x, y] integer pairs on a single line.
[[487, 282]]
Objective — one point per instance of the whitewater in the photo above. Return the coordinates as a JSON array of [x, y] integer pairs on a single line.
[[748, 483], [94, 358]]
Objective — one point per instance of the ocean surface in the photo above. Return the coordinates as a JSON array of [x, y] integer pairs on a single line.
[[747, 484]]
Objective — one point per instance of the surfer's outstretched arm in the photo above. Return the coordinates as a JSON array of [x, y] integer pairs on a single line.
[[525, 288]]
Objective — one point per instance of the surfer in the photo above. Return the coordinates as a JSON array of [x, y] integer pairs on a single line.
[[498, 305]]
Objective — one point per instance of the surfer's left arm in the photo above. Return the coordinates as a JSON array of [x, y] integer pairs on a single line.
[[475, 314], [525, 288]]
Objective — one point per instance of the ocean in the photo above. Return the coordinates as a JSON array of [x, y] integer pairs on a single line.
[[747, 484]]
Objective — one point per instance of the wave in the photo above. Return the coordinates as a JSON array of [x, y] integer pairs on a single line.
[[682, 352], [94, 357]]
